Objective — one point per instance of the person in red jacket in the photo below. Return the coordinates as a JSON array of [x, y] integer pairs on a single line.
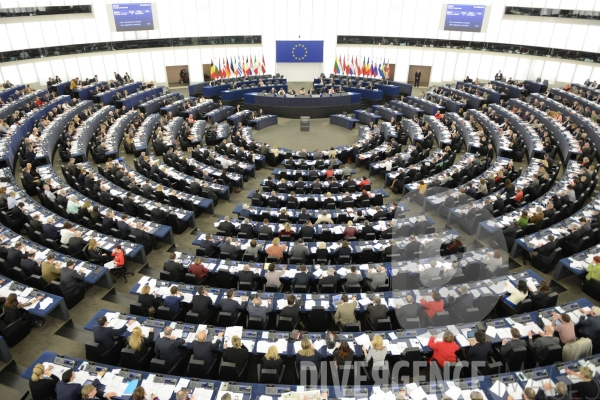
[[119, 256], [198, 269], [444, 351], [435, 306]]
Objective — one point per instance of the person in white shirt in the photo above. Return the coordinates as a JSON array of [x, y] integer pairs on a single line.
[[388, 164], [49, 193]]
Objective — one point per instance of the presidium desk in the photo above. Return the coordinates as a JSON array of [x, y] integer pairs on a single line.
[[314, 106]]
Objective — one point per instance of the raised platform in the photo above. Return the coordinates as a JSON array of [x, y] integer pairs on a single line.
[[316, 106]]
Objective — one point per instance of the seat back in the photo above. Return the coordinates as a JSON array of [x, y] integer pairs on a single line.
[[516, 358], [283, 324], [228, 371], [225, 319]]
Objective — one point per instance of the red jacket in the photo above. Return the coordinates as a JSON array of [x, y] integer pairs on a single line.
[[432, 307], [199, 270], [119, 258], [443, 351]]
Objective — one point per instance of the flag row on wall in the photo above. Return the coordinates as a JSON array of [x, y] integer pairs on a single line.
[[230, 67], [353, 65]]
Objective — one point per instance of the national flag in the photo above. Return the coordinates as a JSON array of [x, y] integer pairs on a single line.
[[231, 67], [227, 70], [355, 64], [244, 65], [351, 66], [387, 70], [240, 71], [372, 72], [264, 70], [248, 68], [343, 64], [213, 70], [255, 65], [365, 68], [381, 67], [336, 67], [217, 72]]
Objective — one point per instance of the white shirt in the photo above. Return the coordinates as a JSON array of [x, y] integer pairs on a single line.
[[65, 235]]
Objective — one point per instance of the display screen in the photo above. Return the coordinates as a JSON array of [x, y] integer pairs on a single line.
[[464, 18], [133, 17]]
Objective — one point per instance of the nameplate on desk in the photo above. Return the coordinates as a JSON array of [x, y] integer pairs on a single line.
[[130, 375], [234, 387], [355, 392], [195, 384], [277, 390], [183, 286], [166, 381], [61, 360], [185, 327], [503, 378], [570, 307], [464, 385], [151, 322], [522, 319], [539, 374], [433, 387]]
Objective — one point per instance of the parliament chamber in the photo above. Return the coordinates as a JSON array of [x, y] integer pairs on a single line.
[[199, 202]]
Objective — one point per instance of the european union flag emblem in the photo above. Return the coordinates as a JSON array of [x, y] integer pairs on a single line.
[[293, 51]]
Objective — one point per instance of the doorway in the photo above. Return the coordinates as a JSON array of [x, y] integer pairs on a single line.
[[173, 75], [425, 75]]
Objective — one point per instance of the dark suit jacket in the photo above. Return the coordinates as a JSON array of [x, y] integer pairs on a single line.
[[76, 244], [176, 269], [480, 351], [14, 256], [204, 351], [302, 278], [231, 306], [168, 350], [203, 306], [407, 311], [376, 312], [72, 391], [43, 388], [30, 267], [104, 335], [70, 278], [292, 312], [50, 231]]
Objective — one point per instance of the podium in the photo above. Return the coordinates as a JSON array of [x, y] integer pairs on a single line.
[[304, 124]]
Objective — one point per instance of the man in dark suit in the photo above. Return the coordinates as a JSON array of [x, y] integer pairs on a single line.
[[30, 266], [209, 244], [103, 334], [303, 277], [159, 215], [70, 278], [417, 77], [15, 254], [76, 243], [461, 303], [247, 275], [204, 350], [513, 343], [129, 206], [69, 390], [410, 310], [412, 249], [202, 304], [589, 323], [376, 311], [256, 309], [118, 78], [265, 229], [17, 212], [231, 306], [292, 310], [35, 223], [546, 249], [175, 268], [227, 227], [123, 225], [167, 348], [147, 190], [307, 230], [230, 247], [142, 236], [108, 221], [546, 339], [480, 348]]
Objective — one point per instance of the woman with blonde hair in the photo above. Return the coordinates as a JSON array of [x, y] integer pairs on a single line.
[[237, 353], [287, 230], [271, 360], [95, 253], [84, 210], [588, 388], [276, 249], [148, 301], [377, 352], [350, 231], [138, 342], [42, 384], [307, 354], [140, 394]]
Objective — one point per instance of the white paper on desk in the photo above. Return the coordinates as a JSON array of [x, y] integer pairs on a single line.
[[515, 390], [309, 304], [415, 391], [202, 394], [319, 343], [453, 392], [183, 382], [281, 303], [491, 331], [364, 302], [363, 340], [498, 388], [462, 341], [187, 297], [117, 323], [424, 338]]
